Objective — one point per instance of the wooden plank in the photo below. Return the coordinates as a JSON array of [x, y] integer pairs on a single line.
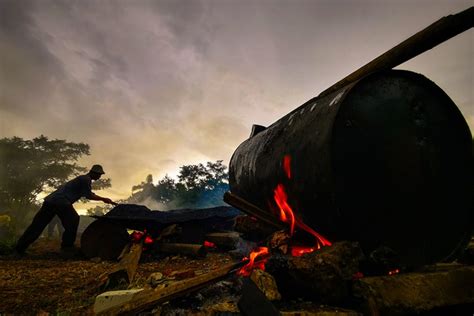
[[124, 271], [150, 297], [252, 210]]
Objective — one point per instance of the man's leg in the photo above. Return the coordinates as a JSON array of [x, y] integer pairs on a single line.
[[41, 219], [70, 220]]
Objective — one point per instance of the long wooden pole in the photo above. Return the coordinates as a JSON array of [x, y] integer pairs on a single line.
[[435, 34], [252, 210]]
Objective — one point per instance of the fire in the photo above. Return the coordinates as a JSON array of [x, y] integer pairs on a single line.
[[138, 236], [298, 251], [209, 244], [287, 215], [148, 240], [393, 272], [253, 264]]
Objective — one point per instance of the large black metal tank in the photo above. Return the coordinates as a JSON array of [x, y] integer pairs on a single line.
[[386, 161]]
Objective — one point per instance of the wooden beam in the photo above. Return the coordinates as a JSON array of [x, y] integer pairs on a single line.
[[150, 297], [252, 210], [124, 271]]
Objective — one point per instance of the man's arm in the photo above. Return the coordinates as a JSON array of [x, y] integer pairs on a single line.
[[96, 197]]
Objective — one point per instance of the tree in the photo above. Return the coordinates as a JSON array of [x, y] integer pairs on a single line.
[[142, 191], [29, 167], [197, 186]]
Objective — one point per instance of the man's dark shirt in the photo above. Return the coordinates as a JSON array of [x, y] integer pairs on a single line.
[[72, 191]]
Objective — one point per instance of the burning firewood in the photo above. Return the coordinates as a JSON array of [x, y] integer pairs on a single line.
[[224, 240], [252, 228], [323, 275]]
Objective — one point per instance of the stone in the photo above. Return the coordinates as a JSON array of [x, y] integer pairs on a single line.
[[155, 278], [109, 299], [266, 283]]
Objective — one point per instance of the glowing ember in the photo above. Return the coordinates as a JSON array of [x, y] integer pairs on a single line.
[[136, 236], [253, 264], [298, 251], [209, 244], [148, 240], [393, 272]]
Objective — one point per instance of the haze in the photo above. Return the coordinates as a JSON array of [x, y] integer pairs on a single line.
[[153, 85]]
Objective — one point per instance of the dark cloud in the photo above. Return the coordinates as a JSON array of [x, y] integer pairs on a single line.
[[152, 85]]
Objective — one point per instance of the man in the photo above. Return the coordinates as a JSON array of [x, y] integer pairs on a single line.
[[60, 203]]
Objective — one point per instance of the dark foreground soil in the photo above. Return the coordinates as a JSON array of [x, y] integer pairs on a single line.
[[48, 282]]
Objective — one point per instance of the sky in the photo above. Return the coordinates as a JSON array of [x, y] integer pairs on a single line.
[[153, 85]]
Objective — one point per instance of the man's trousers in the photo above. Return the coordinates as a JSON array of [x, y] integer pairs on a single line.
[[66, 213]]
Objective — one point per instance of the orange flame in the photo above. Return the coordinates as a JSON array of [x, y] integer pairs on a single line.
[[287, 215], [252, 264]]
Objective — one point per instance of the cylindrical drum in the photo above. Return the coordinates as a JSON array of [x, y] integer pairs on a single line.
[[386, 161]]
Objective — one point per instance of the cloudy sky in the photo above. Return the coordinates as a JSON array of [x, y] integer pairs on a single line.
[[153, 85]]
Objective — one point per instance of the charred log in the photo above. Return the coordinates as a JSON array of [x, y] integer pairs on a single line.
[[252, 228], [414, 293], [224, 240], [323, 276]]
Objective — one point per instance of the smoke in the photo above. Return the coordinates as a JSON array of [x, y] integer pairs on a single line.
[[153, 204]]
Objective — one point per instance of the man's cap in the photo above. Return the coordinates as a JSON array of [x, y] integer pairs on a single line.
[[97, 169]]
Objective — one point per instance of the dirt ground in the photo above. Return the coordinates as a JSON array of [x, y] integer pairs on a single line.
[[46, 282]]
